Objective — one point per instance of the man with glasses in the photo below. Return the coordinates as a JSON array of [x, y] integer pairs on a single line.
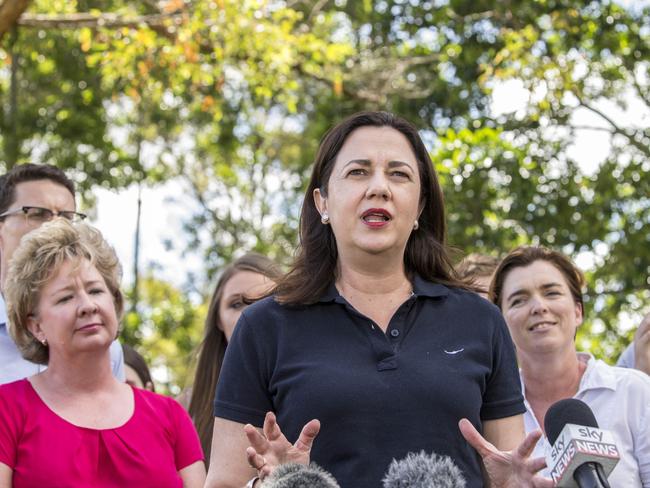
[[30, 195]]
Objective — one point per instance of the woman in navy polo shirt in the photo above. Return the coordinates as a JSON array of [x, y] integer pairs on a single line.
[[371, 333]]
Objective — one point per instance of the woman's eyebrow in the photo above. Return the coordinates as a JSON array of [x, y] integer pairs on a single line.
[[366, 162], [362, 162], [520, 291], [398, 164]]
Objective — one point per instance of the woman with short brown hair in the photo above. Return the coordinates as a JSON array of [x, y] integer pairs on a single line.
[[539, 291]]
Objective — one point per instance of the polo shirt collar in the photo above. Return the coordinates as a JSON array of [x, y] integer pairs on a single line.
[[331, 294], [421, 288], [597, 375]]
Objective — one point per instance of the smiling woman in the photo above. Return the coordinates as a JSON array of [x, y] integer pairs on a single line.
[[64, 304], [539, 291]]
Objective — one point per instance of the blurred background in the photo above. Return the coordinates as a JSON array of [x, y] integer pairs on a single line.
[[190, 127]]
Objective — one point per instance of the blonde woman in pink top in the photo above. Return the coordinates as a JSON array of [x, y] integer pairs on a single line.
[[74, 424]]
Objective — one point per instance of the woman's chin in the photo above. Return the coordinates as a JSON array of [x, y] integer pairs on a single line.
[[96, 343], [380, 247]]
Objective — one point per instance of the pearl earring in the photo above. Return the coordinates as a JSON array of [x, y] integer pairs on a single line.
[[325, 219], [416, 225]]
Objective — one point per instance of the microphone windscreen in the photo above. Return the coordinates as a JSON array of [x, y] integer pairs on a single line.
[[424, 470], [293, 475], [567, 411]]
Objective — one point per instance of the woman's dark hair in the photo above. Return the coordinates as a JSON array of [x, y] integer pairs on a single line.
[[526, 255], [212, 349], [315, 264], [133, 359]]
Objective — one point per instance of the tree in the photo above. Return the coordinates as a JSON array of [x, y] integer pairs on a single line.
[[166, 327], [593, 58], [231, 98], [10, 11]]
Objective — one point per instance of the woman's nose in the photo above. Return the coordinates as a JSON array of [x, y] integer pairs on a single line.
[[538, 305], [87, 303], [378, 186]]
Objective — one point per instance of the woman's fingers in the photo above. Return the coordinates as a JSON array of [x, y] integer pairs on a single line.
[[537, 464], [265, 471], [509, 467], [307, 436], [526, 448], [475, 439], [271, 428], [255, 460], [255, 439], [539, 482], [270, 447]]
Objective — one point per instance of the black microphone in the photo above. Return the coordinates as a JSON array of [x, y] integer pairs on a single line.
[[424, 470], [582, 455], [293, 475]]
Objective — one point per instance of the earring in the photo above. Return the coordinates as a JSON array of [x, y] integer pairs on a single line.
[[416, 225], [44, 342], [325, 219]]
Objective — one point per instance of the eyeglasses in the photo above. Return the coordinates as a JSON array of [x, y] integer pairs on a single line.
[[40, 214]]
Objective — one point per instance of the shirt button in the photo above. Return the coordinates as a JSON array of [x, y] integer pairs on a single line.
[[394, 333]]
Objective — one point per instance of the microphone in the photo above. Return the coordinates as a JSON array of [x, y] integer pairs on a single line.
[[582, 455], [423, 470], [293, 475]]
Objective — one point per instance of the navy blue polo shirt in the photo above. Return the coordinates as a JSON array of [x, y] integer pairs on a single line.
[[446, 354]]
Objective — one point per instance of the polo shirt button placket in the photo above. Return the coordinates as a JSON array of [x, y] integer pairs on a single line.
[[394, 333]]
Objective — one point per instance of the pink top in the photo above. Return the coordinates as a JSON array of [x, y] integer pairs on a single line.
[[43, 449]]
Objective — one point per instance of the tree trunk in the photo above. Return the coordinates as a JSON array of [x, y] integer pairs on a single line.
[[10, 11]]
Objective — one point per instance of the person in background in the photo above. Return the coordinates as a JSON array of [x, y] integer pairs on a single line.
[[539, 291], [31, 194], [371, 333], [637, 354], [244, 280], [136, 369], [478, 269], [75, 424]]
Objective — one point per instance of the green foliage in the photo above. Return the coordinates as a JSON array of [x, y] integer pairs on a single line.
[[593, 57], [60, 113], [166, 328], [231, 98]]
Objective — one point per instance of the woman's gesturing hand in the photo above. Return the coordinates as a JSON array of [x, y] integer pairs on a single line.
[[271, 448], [508, 469]]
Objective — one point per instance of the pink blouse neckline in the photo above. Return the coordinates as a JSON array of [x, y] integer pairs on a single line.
[[124, 424]]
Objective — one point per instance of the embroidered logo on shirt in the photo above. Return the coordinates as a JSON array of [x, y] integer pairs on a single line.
[[453, 352]]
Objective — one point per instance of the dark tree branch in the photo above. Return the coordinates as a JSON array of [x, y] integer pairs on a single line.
[[592, 127], [80, 20], [643, 94], [10, 12], [153, 4], [601, 114], [316, 9], [13, 143], [629, 135]]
